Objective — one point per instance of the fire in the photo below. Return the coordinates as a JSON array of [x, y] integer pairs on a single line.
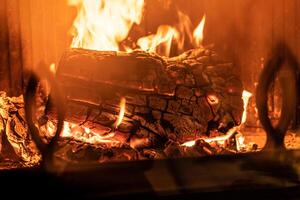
[[213, 99], [240, 142], [198, 32], [103, 24], [245, 96], [219, 139], [185, 28], [52, 68], [122, 112], [82, 133], [164, 36], [240, 139]]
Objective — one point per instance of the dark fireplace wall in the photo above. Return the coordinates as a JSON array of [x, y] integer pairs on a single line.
[[11, 57], [243, 31]]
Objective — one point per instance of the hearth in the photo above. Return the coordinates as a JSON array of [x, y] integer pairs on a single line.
[[161, 98]]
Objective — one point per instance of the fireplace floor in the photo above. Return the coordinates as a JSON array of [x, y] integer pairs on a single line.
[[272, 175], [251, 135]]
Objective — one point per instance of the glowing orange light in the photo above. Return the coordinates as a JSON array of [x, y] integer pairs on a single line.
[[122, 112], [103, 24], [164, 37], [198, 32], [212, 99], [245, 96], [218, 139], [240, 142], [82, 133], [53, 68]]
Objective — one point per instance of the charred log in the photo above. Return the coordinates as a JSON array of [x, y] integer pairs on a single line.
[[166, 98]]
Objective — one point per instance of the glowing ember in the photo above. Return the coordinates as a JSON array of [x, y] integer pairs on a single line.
[[83, 134], [122, 112], [102, 24], [219, 139], [212, 99], [240, 142], [198, 32]]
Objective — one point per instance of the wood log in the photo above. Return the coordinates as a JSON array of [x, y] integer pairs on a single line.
[[179, 98]]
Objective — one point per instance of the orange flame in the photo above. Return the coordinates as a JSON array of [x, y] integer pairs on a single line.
[[102, 24], [245, 96], [122, 112], [198, 32], [52, 68], [161, 41], [218, 139], [164, 37], [239, 137], [78, 132], [184, 27], [240, 142]]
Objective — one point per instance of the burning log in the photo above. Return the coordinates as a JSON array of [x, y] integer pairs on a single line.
[[177, 98]]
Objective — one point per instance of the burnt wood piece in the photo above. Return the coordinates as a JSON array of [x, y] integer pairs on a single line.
[[69, 150], [179, 98], [16, 146]]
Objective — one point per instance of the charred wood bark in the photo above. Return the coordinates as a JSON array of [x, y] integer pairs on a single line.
[[178, 98]]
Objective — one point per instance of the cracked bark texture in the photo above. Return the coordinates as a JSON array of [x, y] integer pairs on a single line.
[[178, 98]]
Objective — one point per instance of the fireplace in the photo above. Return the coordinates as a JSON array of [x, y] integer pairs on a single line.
[[93, 91]]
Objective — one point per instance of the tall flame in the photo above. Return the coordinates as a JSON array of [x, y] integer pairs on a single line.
[[122, 112], [198, 32], [163, 36], [245, 96], [185, 28], [103, 24]]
